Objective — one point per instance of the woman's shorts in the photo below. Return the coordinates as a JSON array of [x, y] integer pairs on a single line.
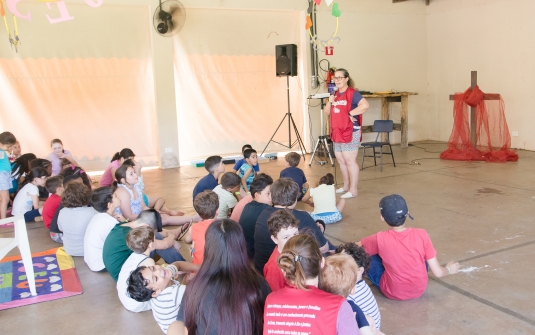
[[328, 218], [351, 146], [5, 180]]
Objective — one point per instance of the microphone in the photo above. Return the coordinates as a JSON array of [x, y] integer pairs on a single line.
[[335, 89]]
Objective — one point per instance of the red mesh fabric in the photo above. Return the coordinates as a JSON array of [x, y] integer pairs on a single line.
[[492, 137]]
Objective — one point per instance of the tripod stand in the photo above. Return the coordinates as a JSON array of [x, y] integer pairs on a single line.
[[291, 123], [322, 140]]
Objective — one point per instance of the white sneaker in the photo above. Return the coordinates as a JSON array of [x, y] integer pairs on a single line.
[[341, 190], [348, 195]]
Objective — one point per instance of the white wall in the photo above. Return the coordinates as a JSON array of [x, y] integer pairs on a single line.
[[383, 46], [493, 37]]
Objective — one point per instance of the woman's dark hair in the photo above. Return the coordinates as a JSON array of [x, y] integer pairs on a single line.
[[300, 260], [328, 179], [226, 274], [125, 153], [101, 197], [21, 165], [120, 173], [7, 138], [350, 82], [76, 195], [76, 171]]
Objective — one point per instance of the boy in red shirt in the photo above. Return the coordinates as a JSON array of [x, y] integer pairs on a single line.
[[54, 186], [206, 204], [401, 255], [282, 226]]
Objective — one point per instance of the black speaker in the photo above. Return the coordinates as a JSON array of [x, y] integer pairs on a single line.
[[286, 60]]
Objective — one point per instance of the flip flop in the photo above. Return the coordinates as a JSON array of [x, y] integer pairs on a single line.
[[184, 230], [322, 224]]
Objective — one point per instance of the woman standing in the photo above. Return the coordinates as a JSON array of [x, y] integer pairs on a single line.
[[345, 108], [57, 154]]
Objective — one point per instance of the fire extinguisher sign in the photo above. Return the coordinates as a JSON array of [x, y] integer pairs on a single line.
[[329, 50]]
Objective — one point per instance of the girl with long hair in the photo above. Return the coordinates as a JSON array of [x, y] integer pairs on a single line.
[[116, 161], [227, 295], [131, 195]]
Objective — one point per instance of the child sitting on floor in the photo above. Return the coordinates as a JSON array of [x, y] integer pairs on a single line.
[[206, 204], [54, 186], [323, 198], [104, 200], [338, 277], [27, 199], [141, 241], [301, 261], [161, 287], [115, 251], [240, 162], [295, 173], [131, 195], [55, 233], [214, 166], [282, 226], [7, 140], [362, 295], [156, 202], [230, 185], [74, 218], [398, 248], [246, 171]]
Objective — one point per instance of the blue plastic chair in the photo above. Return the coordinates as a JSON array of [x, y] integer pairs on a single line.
[[379, 126]]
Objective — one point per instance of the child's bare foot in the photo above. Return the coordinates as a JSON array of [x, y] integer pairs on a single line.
[[175, 213], [38, 219]]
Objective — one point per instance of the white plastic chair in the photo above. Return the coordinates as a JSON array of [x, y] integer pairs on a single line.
[[21, 241]]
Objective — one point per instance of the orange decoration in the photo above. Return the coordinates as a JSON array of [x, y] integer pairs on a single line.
[[309, 23]]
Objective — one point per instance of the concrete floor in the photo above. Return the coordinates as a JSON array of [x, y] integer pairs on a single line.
[[479, 214]]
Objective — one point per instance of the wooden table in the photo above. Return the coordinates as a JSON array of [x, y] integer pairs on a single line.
[[386, 99]]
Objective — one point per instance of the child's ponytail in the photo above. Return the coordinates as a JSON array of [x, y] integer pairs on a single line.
[[328, 179], [115, 157], [300, 260], [120, 174], [125, 153]]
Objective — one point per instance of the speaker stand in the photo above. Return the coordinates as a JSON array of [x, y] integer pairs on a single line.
[[291, 123], [321, 143]]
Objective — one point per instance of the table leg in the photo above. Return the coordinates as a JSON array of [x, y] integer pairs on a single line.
[[404, 121], [385, 115]]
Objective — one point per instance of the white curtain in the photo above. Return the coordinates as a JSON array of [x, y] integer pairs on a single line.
[[87, 81], [226, 88]]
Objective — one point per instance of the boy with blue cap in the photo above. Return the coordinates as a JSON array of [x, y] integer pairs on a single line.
[[401, 255]]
